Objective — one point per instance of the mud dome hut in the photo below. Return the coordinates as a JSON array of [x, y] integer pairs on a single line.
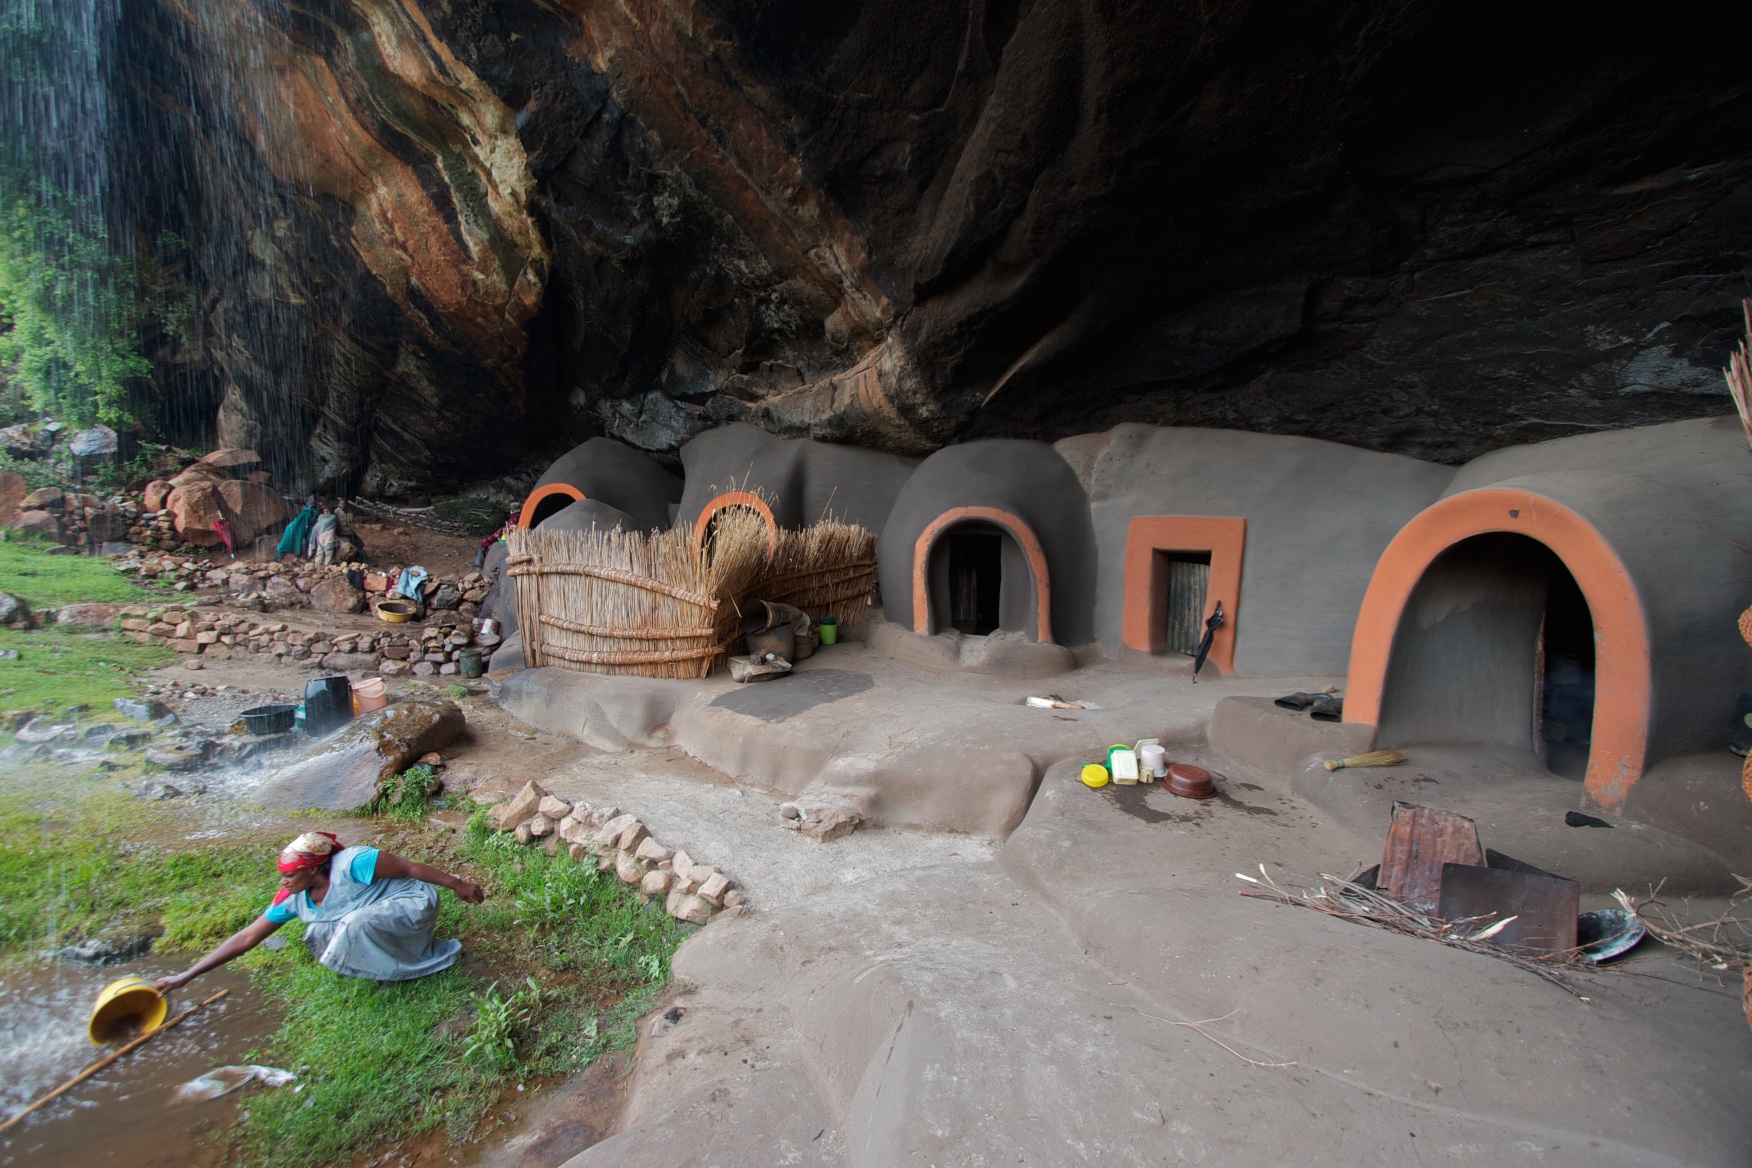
[[1283, 532], [1578, 597], [604, 471], [991, 537], [790, 482]]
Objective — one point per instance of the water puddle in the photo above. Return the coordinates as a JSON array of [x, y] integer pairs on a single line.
[[125, 1115]]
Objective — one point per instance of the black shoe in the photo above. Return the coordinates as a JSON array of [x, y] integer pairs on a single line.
[[1327, 708], [1297, 701]]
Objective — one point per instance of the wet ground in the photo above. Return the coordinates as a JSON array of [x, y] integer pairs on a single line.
[[128, 1114]]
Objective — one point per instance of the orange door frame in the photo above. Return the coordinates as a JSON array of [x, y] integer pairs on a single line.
[[1146, 587], [1016, 528], [1623, 671]]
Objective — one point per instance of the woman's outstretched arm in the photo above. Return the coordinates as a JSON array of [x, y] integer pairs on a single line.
[[236, 945], [389, 867]]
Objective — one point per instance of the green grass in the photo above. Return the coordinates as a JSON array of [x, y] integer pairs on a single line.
[[76, 865], [581, 954], [45, 581], [57, 668]]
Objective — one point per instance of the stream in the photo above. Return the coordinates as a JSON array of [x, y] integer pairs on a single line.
[[128, 1114]]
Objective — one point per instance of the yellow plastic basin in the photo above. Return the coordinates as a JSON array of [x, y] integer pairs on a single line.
[[126, 1008]]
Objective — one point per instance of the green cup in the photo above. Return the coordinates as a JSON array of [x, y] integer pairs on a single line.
[[829, 630]]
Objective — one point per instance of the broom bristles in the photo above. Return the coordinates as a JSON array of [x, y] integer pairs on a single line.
[[1375, 758]]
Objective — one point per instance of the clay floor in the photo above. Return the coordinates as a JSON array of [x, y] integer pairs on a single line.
[[1010, 977]]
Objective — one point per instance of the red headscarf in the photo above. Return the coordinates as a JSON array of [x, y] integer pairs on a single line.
[[305, 851]]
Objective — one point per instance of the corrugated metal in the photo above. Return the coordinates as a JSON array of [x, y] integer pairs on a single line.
[[1187, 584]]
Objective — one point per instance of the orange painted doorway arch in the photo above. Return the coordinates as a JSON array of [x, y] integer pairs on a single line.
[[1013, 526], [1622, 673], [737, 499], [541, 494]]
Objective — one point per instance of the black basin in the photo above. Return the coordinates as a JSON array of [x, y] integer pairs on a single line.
[[274, 719]]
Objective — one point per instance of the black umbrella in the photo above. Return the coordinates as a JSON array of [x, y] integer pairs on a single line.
[[1204, 644]]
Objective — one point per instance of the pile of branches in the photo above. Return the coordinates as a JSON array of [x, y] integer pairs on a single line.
[[1350, 901], [1722, 943]]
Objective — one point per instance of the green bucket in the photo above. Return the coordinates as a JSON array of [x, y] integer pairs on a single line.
[[829, 627]]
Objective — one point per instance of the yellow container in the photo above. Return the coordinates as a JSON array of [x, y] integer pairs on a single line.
[[126, 1008], [1095, 775]]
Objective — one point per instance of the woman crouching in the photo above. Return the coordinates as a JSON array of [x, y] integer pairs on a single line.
[[366, 913]]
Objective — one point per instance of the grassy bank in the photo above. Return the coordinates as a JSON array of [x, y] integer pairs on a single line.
[[49, 581]]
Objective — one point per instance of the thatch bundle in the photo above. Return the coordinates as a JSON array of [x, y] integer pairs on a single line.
[[826, 569], [1739, 373], [668, 605], [620, 602]]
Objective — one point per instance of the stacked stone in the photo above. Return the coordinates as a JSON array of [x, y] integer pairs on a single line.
[[205, 631], [155, 529], [74, 520], [690, 891]]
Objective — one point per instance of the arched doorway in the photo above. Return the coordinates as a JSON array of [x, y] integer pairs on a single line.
[[547, 500], [734, 500], [1495, 648], [980, 570], [1536, 621]]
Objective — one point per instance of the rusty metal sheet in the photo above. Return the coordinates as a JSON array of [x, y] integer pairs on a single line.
[[1420, 841], [1544, 908]]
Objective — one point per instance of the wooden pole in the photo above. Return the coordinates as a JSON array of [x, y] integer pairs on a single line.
[[107, 1059]]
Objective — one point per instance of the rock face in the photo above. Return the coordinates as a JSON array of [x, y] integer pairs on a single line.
[[482, 230], [346, 771]]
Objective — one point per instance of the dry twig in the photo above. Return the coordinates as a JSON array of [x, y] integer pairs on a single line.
[[1196, 1028]]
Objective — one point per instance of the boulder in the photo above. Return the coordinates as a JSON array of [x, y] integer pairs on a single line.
[[38, 523], [334, 594], [520, 808], [656, 883], [349, 662], [540, 826], [157, 491], [253, 509], [446, 597], [88, 615], [608, 835], [14, 613], [628, 868], [230, 458], [347, 770], [194, 509], [653, 852], [13, 489], [555, 809], [97, 442], [280, 588], [684, 906], [42, 499]]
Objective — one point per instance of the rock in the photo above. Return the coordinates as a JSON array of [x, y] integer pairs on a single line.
[[520, 808], [346, 771], [656, 883], [682, 864], [631, 837], [424, 669], [12, 492], [432, 759], [97, 442], [555, 809], [607, 837], [141, 710], [349, 662], [334, 594], [597, 816], [194, 509], [176, 758], [685, 906], [790, 811], [446, 597], [42, 499], [88, 615], [14, 613], [577, 850], [735, 898], [628, 868], [653, 852], [540, 826], [157, 491], [823, 824], [40, 524], [252, 508], [228, 458], [714, 888], [38, 730], [524, 833]]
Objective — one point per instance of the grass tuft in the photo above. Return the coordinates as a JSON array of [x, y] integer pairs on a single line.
[[46, 581]]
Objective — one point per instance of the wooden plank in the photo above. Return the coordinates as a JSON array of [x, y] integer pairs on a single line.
[[1419, 842], [1188, 582]]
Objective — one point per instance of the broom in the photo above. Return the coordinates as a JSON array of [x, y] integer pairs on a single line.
[[1372, 759]]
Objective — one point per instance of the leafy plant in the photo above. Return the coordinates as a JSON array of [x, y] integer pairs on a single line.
[[404, 796], [492, 1043]]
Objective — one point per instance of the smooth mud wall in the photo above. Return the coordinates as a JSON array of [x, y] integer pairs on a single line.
[[802, 480]]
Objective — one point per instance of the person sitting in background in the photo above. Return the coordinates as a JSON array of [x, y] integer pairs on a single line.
[[323, 537], [297, 533], [366, 913], [498, 536]]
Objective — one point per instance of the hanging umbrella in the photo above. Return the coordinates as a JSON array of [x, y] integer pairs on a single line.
[[1214, 623]]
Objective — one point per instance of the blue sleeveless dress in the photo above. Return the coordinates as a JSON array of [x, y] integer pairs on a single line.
[[371, 928]]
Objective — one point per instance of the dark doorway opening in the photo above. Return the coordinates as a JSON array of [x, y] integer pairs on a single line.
[[1566, 710], [976, 581], [1189, 580], [549, 505], [1495, 648]]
